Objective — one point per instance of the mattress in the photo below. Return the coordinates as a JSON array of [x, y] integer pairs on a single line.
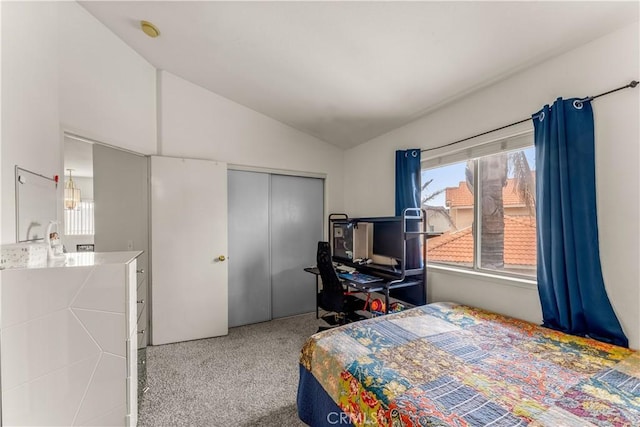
[[445, 364]]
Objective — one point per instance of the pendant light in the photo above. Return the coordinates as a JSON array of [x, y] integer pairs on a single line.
[[71, 193]]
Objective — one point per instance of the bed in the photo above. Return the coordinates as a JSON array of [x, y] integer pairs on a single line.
[[445, 364]]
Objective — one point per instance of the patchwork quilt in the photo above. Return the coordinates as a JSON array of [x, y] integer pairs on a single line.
[[451, 365]]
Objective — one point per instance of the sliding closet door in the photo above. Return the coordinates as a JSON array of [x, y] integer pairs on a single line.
[[249, 261], [297, 210]]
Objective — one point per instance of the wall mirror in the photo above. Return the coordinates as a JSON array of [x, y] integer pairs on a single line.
[[36, 197]]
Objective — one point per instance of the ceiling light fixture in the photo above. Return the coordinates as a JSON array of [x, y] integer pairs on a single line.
[[149, 29]]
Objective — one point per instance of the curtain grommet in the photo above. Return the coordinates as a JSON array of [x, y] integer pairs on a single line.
[[541, 116], [577, 104], [414, 153]]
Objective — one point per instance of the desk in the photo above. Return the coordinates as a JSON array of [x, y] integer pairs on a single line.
[[402, 238], [383, 286]]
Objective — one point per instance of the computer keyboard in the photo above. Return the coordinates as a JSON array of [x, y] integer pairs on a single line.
[[359, 277]]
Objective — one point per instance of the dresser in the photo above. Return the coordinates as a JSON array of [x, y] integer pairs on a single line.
[[69, 341]]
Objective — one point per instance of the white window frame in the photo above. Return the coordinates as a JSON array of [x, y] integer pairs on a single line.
[[517, 141]]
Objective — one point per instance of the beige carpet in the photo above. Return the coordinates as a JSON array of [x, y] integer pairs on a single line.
[[247, 378]]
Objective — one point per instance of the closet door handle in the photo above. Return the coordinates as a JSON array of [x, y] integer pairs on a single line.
[[140, 301], [141, 332], [141, 271]]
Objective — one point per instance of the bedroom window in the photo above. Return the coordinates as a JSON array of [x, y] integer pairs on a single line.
[[79, 221], [484, 207]]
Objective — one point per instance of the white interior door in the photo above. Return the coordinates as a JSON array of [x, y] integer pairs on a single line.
[[189, 229]]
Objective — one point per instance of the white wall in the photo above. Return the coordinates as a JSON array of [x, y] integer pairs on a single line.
[[197, 123], [107, 90], [596, 67], [30, 124]]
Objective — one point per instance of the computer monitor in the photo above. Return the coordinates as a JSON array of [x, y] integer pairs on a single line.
[[388, 241]]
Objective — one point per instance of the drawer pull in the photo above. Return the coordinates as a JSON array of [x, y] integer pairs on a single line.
[[141, 332], [141, 271], [140, 301]]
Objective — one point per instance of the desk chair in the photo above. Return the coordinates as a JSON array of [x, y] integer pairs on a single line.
[[334, 296]]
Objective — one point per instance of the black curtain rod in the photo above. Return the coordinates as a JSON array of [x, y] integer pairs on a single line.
[[632, 84]]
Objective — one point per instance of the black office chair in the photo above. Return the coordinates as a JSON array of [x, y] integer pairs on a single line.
[[334, 296]]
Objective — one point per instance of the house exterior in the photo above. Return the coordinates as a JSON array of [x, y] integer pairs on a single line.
[[438, 218], [459, 201], [455, 245]]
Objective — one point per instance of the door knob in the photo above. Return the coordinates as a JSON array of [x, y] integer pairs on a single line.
[[221, 258]]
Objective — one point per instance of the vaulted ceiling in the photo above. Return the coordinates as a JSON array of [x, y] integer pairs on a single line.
[[347, 72]]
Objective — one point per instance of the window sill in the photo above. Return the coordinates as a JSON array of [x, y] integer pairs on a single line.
[[519, 282]]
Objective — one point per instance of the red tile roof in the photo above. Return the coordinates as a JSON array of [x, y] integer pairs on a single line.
[[461, 195], [519, 243]]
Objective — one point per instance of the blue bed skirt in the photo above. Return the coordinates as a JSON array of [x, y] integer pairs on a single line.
[[315, 407]]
